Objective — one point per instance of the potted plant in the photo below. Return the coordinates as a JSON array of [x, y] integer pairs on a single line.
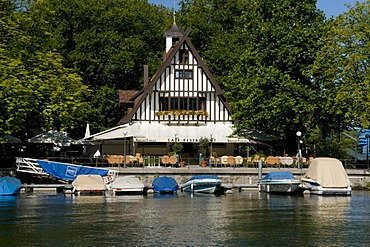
[[203, 148], [177, 147]]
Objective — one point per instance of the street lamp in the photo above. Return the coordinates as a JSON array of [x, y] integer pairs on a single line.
[[211, 143], [299, 134], [367, 150], [124, 148]]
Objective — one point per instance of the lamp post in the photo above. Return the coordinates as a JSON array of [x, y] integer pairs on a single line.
[[367, 150], [124, 148], [299, 134], [211, 143]]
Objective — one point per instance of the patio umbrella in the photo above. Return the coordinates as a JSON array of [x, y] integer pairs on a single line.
[[87, 131], [10, 139], [53, 136]]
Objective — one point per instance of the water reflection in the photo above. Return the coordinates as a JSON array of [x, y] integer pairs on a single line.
[[247, 218]]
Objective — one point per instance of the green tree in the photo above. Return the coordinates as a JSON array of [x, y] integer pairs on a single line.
[[37, 92], [216, 28], [107, 42], [342, 70], [270, 88], [40, 94]]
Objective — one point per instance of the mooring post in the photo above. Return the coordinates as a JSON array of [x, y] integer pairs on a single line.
[[259, 169]]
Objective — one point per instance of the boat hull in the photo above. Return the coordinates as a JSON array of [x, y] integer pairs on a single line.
[[127, 185], [316, 189], [280, 187], [128, 191], [90, 192], [209, 186]]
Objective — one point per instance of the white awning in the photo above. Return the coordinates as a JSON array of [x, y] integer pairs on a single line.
[[156, 132]]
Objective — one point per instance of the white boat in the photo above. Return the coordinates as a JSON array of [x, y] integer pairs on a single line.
[[280, 183], [127, 185], [89, 185], [210, 184], [326, 176]]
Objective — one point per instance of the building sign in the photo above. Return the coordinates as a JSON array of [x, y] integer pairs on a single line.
[[172, 139], [146, 140]]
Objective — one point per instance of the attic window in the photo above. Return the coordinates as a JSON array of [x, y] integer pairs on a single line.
[[174, 41], [183, 74], [184, 56]]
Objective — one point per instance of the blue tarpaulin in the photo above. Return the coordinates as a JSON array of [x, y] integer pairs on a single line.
[[165, 184], [69, 172], [9, 186], [278, 176]]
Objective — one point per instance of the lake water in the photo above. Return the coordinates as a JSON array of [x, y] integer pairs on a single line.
[[247, 218]]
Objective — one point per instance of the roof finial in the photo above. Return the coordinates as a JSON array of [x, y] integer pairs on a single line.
[[174, 11]]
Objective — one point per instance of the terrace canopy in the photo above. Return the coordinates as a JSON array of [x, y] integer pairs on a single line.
[[155, 132]]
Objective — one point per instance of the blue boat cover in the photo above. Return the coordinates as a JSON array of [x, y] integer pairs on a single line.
[[278, 176], [204, 177], [9, 186], [165, 184], [69, 172]]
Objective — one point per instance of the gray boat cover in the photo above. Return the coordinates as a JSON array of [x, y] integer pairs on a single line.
[[89, 182], [328, 172], [128, 183]]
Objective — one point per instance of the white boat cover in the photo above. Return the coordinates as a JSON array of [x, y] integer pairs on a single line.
[[127, 183], [328, 172], [89, 182]]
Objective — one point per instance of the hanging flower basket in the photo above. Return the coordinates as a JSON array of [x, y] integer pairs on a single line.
[[182, 112]]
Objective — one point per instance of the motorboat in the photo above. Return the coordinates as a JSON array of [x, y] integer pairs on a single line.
[[9, 186], [165, 185], [282, 182], [127, 185], [326, 176], [89, 185], [210, 184]]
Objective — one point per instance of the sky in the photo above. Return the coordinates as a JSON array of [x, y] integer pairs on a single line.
[[330, 7]]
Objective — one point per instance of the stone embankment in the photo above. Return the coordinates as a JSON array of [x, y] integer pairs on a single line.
[[360, 179]]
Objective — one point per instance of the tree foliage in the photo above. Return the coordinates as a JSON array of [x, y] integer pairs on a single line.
[[107, 42], [283, 66], [342, 68], [38, 93], [269, 88]]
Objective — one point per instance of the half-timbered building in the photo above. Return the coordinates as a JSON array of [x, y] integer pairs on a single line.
[[182, 102]]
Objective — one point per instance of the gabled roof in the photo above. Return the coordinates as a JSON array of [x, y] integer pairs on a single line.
[[126, 95], [140, 96]]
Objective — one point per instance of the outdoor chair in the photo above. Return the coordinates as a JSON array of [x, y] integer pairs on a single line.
[[286, 161], [273, 161], [165, 160], [172, 160], [115, 159], [212, 160], [224, 160], [238, 160], [249, 161], [231, 161]]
